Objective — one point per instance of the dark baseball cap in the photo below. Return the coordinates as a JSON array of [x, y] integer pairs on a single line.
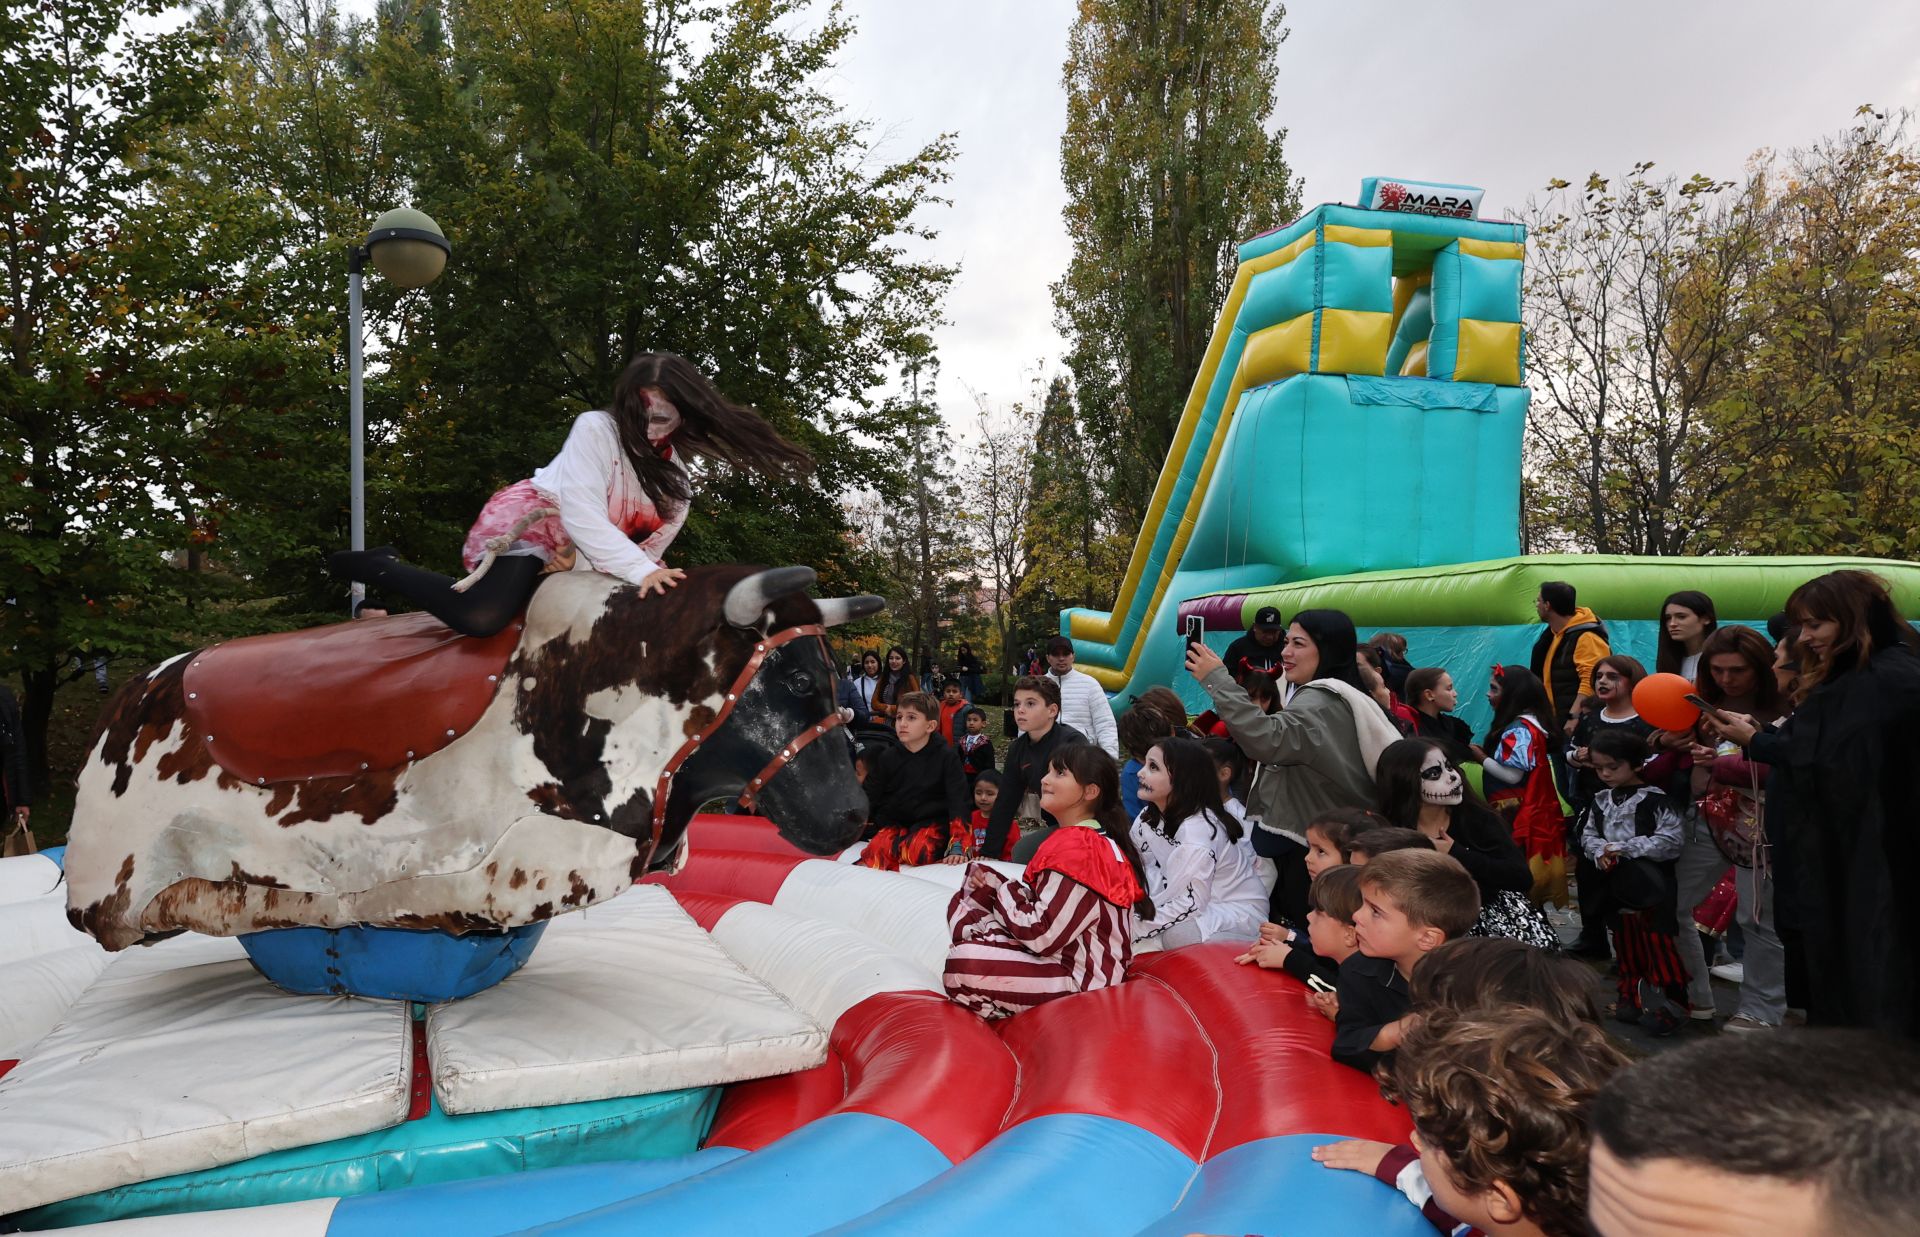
[[1268, 619]]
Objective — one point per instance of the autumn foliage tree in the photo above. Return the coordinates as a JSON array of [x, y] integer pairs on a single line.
[[1730, 367]]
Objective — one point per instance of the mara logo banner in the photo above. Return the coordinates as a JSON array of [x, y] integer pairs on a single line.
[[1413, 197]]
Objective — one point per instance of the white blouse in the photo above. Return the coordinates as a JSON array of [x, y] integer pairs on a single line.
[[599, 496], [1203, 886]]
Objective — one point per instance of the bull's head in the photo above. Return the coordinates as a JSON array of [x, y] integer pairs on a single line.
[[772, 746], [711, 673]]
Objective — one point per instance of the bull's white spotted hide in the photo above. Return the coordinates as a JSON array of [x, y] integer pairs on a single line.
[[630, 997], [463, 836]]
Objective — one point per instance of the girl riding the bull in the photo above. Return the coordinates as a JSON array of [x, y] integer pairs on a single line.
[[612, 500]]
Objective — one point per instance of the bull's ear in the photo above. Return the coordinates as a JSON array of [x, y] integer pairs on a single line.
[[837, 610], [747, 601]]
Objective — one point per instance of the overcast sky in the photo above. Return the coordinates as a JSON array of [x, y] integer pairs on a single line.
[[1498, 93]]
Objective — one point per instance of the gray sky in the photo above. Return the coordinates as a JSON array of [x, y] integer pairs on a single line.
[[1499, 93]]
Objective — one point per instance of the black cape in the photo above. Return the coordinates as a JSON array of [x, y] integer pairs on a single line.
[[1844, 809]]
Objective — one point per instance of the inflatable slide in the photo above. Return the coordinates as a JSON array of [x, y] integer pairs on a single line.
[[1353, 439]]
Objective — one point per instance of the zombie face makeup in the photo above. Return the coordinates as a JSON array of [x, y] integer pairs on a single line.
[[662, 417], [1440, 782]]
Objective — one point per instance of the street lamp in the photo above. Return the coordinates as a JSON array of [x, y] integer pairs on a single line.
[[407, 247]]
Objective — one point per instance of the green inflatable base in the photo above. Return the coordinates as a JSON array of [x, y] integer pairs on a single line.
[[436, 1148]]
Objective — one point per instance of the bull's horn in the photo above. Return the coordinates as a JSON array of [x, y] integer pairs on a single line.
[[748, 600], [837, 610]]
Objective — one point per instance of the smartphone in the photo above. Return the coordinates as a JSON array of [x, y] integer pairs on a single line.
[[1319, 985], [1196, 630], [1704, 707]]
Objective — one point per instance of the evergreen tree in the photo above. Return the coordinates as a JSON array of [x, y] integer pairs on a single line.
[[1169, 164]]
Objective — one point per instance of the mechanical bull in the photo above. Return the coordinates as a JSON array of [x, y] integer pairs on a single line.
[[392, 773]]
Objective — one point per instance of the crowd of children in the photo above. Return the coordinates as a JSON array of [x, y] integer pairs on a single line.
[[1291, 822]]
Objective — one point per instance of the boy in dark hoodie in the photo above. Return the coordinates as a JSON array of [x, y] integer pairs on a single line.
[[918, 795], [974, 744]]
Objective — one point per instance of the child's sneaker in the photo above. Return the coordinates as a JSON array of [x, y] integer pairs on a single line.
[[1742, 1022], [1658, 1013]]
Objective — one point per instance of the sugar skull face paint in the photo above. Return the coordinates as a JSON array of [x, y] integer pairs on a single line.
[[1440, 782]]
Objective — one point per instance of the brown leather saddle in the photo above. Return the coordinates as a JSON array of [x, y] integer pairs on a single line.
[[341, 700]]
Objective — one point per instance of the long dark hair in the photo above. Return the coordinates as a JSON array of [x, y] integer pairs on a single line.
[[1860, 603], [1332, 633], [1193, 790], [1670, 653], [711, 425], [891, 678], [1751, 647], [1397, 784], [1521, 691], [1089, 766]]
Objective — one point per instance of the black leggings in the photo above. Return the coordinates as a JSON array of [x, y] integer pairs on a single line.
[[480, 611]]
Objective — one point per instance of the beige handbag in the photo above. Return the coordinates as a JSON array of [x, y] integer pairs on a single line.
[[19, 841]]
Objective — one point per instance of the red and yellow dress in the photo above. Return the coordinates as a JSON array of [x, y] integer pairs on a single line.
[[1066, 927], [1531, 807]]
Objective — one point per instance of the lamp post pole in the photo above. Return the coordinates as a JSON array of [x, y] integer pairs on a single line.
[[408, 248], [356, 424]]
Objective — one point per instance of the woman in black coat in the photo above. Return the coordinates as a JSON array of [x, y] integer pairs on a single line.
[[1845, 800]]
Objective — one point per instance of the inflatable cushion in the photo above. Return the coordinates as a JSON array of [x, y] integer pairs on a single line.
[[333, 701], [435, 1149], [907, 916], [180, 1058], [626, 998], [39, 991]]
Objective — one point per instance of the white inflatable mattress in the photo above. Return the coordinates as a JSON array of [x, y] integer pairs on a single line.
[[628, 997]]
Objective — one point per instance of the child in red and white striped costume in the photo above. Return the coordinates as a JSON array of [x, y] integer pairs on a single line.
[[1068, 925]]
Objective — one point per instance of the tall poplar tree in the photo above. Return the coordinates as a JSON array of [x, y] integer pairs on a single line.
[[1170, 161]]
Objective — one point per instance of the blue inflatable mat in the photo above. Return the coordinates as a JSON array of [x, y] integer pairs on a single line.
[[436, 1148]]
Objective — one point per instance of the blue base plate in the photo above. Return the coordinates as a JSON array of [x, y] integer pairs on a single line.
[[396, 964]]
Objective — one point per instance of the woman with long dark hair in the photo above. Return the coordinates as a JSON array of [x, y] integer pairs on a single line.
[[1200, 869], [1519, 778], [1421, 788], [1318, 751], [1066, 925], [1314, 755], [1845, 796], [613, 499], [1687, 618], [895, 681], [1728, 796]]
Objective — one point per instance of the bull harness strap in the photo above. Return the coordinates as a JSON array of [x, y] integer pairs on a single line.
[[740, 684]]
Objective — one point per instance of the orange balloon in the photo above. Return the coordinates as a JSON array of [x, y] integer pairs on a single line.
[[1662, 700]]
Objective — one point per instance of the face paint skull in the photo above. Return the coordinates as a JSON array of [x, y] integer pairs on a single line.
[[1440, 782], [662, 417]]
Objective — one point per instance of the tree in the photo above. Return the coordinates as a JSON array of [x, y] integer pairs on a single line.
[[1639, 314], [1168, 164], [85, 482], [914, 523], [1834, 368], [1728, 367], [618, 177], [1000, 487]]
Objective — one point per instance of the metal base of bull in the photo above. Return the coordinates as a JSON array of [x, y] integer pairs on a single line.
[[395, 964]]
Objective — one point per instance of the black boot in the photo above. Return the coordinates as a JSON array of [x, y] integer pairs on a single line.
[[480, 611]]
